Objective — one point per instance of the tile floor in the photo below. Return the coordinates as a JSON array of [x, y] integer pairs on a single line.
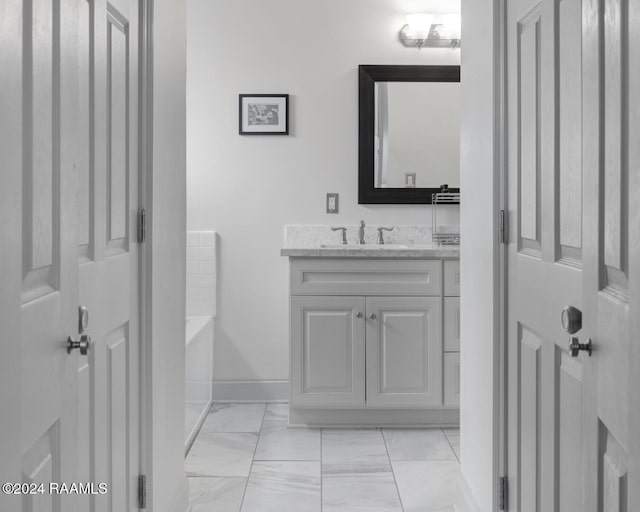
[[246, 459]]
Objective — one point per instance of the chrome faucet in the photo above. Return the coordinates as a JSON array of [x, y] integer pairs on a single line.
[[344, 234], [380, 237], [361, 233]]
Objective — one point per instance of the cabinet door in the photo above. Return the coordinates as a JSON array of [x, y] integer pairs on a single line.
[[327, 351], [452, 324], [404, 351]]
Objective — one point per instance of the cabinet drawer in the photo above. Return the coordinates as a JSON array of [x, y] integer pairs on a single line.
[[452, 379], [452, 324], [365, 277], [452, 277]]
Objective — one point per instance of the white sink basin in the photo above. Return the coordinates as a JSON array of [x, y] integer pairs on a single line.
[[367, 247]]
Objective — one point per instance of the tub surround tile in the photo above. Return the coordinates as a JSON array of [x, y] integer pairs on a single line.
[[234, 418], [283, 487], [215, 454], [201, 273], [414, 444], [193, 239], [426, 486], [207, 494], [207, 238]]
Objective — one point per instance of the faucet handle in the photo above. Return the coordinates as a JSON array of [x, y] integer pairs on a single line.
[[380, 237], [344, 234]]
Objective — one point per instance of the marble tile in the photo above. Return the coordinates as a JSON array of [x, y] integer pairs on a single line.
[[422, 444], [213, 493], [426, 486], [282, 443], [283, 487], [453, 436], [279, 442], [214, 454], [359, 492], [234, 418], [276, 415], [360, 450]]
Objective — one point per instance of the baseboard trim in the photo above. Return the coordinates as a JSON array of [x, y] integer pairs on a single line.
[[250, 390], [465, 501]]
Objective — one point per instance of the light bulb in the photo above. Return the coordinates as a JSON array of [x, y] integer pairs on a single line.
[[419, 25]]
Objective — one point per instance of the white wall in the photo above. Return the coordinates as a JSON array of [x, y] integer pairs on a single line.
[[168, 491], [248, 188], [478, 221]]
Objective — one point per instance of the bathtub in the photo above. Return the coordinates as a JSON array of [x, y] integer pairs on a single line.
[[198, 373]]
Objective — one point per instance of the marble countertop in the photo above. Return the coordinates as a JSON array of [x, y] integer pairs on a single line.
[[374, 251]]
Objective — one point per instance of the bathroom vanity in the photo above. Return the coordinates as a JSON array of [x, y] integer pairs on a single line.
[[374, 335]]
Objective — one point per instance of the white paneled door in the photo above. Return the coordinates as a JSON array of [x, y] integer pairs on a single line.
[[573, 436], [108, 253], [76, 207]]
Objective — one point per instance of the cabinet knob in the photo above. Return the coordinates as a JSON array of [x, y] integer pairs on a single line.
[[359, 314], [373, 316]]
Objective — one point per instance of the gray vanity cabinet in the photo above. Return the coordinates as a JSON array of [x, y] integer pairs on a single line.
[[367, 333]]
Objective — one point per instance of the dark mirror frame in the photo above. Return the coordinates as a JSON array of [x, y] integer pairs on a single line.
[[368, 76]]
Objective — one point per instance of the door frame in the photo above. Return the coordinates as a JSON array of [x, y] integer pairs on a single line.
[[145, 117], [501, 208], [162, 32], [501, 247]]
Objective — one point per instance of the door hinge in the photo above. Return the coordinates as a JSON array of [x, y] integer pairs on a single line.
[[142, 225], [503, 227], [142, 491], [503, 489]]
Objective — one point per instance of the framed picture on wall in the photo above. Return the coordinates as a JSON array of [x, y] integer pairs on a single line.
[[264, 114]]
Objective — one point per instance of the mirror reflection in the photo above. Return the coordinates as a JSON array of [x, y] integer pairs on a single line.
[[417, 134]]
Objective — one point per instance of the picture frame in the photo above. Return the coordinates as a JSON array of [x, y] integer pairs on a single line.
[[263, 114]]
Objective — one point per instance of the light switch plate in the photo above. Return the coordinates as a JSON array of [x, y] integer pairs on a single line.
[[332, 203]]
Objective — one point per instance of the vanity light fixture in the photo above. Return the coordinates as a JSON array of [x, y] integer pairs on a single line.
[[431, 30]]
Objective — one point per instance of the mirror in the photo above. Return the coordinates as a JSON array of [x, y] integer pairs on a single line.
[[409, 124]]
